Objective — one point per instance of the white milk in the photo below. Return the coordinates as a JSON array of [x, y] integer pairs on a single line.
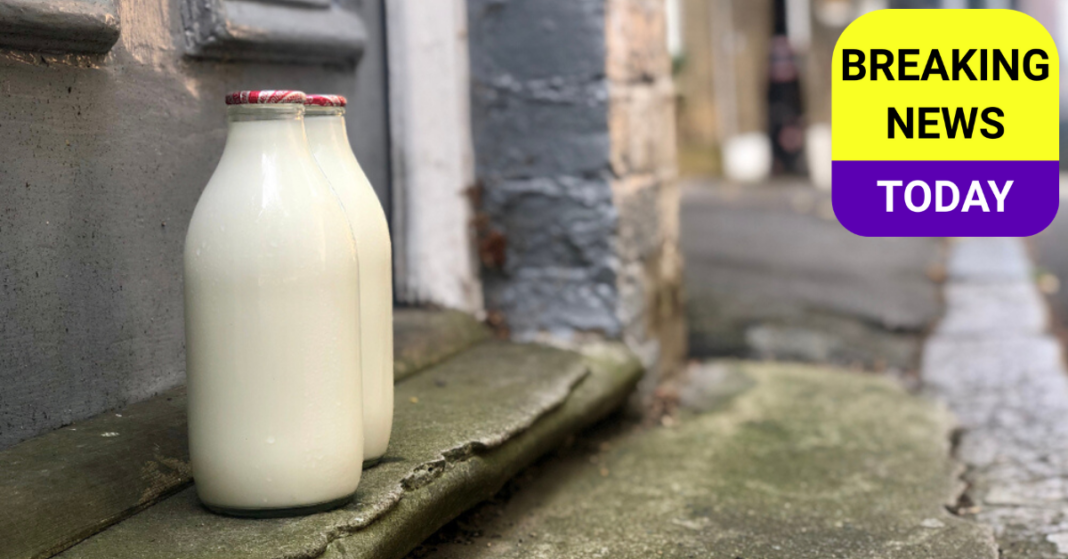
[[272, 327], [330, 144]]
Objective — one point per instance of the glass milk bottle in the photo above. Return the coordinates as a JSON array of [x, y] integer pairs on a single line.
[[272, 325], [329, 143]]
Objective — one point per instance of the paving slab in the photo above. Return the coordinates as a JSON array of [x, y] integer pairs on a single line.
[[989, 259], [771, 273], [994, 363], [993, 309], [766, 461]]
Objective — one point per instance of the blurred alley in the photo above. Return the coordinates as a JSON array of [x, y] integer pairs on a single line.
[[846, 396]]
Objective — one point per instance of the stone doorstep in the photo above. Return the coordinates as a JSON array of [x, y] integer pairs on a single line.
[[67, 485], [462, 428]]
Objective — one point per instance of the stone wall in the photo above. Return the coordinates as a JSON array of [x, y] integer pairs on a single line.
[[573, 119], [644, 187]]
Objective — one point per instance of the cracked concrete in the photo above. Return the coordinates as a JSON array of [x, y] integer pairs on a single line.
[[63, 487], [994, 363], [766, 461], [437, 429]]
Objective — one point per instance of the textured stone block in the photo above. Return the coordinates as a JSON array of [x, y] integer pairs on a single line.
[[641, 232], [61, 26], [642, 126], [554, 221], [537, 39], [558, 301], [636, 34], [573, 113], [289, 31], [523, 130]]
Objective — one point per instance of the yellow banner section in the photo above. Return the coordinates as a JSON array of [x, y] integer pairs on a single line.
[[945, 85]]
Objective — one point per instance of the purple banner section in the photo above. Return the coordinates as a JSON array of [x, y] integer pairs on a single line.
[[1020, 209]]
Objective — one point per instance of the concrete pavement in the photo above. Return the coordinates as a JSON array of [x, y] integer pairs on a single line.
[[994, 362], [771, 273], [766, 461]]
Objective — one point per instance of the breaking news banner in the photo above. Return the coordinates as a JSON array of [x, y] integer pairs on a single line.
[[945, 124]]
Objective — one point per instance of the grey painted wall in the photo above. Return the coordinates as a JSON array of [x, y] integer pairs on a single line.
[[540, 124], [102, 159]]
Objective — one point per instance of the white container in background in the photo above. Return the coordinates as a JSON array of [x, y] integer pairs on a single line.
[[329, 143], [272, 325]]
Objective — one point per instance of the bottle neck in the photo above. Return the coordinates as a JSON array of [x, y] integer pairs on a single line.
[[266, 129], [327, 128]]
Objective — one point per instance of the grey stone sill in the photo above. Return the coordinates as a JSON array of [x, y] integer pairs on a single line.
[[305, 31], [69, 484], [60, 26]]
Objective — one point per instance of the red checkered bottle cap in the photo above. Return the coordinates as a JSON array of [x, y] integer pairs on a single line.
[[266, 97], [326, 100]]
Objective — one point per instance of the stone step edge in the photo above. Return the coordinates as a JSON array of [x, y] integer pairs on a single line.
[[533, 397], [66, 485], [614, 373]]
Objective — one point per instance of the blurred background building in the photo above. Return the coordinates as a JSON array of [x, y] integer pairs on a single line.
[[753, 79]]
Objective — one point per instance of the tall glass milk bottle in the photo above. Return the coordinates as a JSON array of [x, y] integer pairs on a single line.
[[329, 143], [272, 324]]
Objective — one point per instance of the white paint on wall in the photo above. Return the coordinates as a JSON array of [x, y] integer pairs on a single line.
[[432, 154], [747, 157], [673, 13], [818, 154], [799, 24], [835, 13], [1059, 30], [865, 6]]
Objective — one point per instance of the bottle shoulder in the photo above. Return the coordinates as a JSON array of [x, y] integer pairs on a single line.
[[354, 190], [291, 216]]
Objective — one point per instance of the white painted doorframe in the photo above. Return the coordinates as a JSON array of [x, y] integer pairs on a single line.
[[432, 155]]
